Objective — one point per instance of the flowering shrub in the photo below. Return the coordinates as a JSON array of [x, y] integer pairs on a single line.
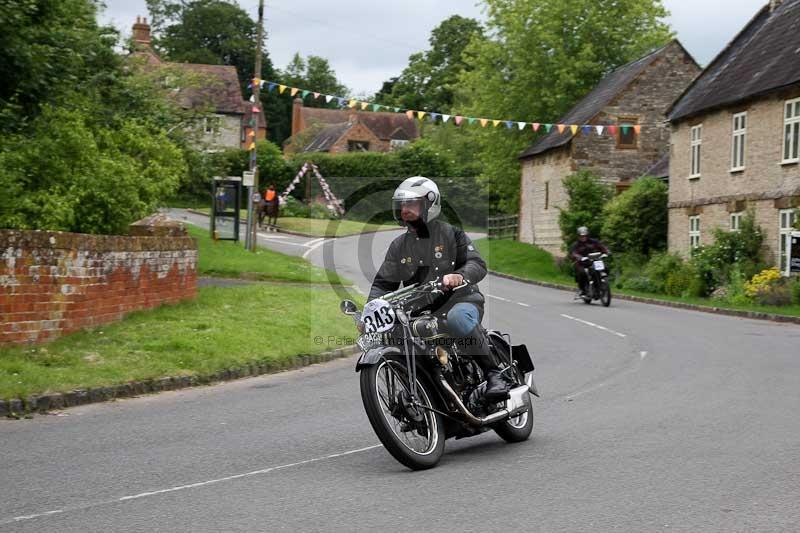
[[762, 282]]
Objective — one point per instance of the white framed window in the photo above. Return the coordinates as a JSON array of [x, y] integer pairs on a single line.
[[736, 221], [396, 144], [786, 219], [738, 141], [697, 144], [694, 231], [791, 131]]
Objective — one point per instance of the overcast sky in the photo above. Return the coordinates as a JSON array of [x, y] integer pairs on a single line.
[[369, 42]]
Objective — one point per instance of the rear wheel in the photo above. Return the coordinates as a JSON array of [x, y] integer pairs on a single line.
[[414, 435], [518, 428]]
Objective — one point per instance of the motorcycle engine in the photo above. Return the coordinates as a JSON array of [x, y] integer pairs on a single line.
[[426, 327]]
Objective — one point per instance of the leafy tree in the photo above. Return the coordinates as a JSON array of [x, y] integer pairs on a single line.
[[428, 82], [587, 197], [539, 59], [636, 220]]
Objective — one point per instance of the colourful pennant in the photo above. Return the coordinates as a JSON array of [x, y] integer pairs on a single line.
[[251, 133], [376, 107], [316, 95], [410, 114], [458, 120], [305, 93], [637, 129], [536, 126], [495, 123], [509, 124], [521, 125], [574, 129], [256, 109], [271, 87], [471, 120], [445, 118], [599, 129], [434, 116], [252, 146], [561, 128], [612, 130], [548, 127], [586, 130], [293, 91], [420, 114], [281, 88], [352, 103], [484, 122]]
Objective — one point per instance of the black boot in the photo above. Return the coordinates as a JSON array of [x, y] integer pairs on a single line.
[[496, 385]]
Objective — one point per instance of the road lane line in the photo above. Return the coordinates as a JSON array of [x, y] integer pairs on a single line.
[[499, 298], [313, 242], [189, 486], [592, 324], [642, 355], [314, 247], [523, 304], [266, 237]]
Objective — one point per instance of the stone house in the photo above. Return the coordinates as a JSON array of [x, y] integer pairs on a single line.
[[735, 143], [348, 130], [636, 95], [212, 87]]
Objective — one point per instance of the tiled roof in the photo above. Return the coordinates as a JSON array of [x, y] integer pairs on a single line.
[[218, 86], [326, 138], [661, 169], [385, 126], [763, 57], [593, 103]]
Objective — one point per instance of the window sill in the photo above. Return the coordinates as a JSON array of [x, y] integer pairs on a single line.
[[692, 178], [737, 170], [790, 162]]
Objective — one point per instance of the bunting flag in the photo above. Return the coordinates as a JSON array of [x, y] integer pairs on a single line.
[[252, 146], [251, 134], [585, 129]]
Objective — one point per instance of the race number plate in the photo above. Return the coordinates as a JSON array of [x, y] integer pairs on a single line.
[[599, 266], [378, 316]]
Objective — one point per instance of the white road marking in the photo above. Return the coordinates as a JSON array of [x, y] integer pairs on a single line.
[[30, 516], [314, 247], [313, 242], [266, 237], [642, 355], [523, 304], [189, 486], [498, 298], [617, 333]]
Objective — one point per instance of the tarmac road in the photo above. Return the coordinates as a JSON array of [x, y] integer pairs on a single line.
[[651, 419]]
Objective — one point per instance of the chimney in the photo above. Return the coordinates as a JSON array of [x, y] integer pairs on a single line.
[[297, 116], [141, 33], [774, 4]]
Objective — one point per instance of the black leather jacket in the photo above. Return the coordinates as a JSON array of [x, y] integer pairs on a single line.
[[582, 249], [433, 251]]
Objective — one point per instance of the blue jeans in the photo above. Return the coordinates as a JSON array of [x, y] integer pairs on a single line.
[[462, 319]]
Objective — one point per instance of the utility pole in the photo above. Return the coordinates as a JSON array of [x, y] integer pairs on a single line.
[[252, 222]]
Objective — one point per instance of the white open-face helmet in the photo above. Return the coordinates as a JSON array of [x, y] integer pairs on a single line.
[[418, 188]]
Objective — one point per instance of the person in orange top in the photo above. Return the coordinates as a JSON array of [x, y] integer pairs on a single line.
[[271, 208]]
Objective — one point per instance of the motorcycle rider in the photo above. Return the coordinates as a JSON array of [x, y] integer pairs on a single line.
[[579, 252], [432, 249]]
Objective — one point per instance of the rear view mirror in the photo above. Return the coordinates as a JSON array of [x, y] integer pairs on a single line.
[[348, 307]]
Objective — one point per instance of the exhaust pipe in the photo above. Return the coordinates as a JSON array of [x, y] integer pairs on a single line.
[[515, 405]]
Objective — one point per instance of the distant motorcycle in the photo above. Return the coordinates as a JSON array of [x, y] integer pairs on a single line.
[[598, 288], [419, 389]]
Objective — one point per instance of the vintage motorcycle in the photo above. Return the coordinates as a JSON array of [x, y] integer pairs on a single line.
[[418, 386], [597, 271]]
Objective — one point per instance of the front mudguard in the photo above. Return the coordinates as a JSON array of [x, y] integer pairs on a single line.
[[373, 356]]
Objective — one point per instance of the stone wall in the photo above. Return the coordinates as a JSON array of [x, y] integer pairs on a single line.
[[542, 193], [54, 283], [764, 185]]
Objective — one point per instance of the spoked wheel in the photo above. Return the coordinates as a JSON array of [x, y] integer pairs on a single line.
[[413, 434], [518, 428], [605, 293]]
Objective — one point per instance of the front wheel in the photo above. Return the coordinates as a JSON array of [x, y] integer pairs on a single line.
[[414, 435], [605, 293]]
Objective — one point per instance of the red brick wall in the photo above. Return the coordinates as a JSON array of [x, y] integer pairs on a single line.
[[54, 283]]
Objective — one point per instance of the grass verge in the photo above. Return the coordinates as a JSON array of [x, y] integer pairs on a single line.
[[222, 328], [230, 259], [529, 262], [320, 227]]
